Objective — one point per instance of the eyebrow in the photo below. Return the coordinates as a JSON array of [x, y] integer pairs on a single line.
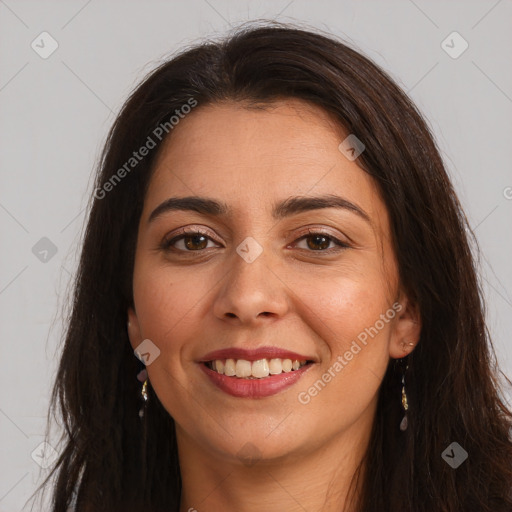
[[287, 208]]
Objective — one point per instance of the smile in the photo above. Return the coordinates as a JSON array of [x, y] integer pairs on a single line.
[[243, 384]]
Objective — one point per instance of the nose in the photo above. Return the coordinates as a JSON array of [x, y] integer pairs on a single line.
[[251, 292]]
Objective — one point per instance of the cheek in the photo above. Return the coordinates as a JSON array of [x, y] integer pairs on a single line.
[[165, 301], [348, 317], [166, 304], [353, 315], [347, 303]]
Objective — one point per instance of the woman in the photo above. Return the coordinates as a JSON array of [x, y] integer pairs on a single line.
[[277, 307]]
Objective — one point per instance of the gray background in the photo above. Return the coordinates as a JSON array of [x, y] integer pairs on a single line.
[[55, 113]]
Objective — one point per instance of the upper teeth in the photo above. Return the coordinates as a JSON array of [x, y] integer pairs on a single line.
[[254, 369]]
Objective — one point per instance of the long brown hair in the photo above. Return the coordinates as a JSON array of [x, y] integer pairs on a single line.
[[114, 462]]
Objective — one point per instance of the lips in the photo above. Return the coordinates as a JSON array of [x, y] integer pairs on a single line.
[[230, 370]]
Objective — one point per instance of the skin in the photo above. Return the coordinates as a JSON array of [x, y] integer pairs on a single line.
[[293, 296]]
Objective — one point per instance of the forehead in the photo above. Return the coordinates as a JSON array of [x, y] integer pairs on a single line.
[[251, 156]]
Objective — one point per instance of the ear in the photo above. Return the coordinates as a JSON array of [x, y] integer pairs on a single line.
[[134, 329], [406, 330]]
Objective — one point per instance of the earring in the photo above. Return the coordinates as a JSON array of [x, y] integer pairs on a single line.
[[143, 377], [410, 344], [405, 405]]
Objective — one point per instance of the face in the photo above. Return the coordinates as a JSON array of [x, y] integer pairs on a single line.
[[269, 278]]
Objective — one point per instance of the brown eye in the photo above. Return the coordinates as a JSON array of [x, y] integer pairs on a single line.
[[191, 241], [194, 242], [316, 242], [320, 242]]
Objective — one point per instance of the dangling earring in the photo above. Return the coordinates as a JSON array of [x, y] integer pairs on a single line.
[[143, 377], [405, 405]]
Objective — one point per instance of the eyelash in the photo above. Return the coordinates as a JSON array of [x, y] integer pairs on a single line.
[[166, 244]]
